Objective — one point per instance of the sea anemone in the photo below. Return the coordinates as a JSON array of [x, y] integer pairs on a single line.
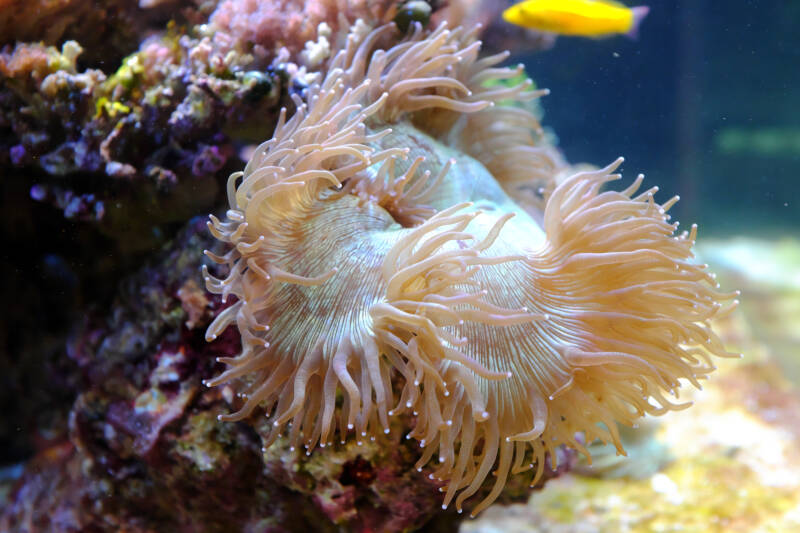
[[404, 244]]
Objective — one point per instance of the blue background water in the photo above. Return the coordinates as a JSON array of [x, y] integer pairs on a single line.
[[706, 103]]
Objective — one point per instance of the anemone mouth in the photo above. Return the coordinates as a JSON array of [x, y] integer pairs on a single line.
[[386, 230]]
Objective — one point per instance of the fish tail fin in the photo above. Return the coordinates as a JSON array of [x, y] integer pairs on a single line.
[[639, 13]]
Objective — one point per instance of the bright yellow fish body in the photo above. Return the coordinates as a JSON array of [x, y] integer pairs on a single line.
[[586, 18]]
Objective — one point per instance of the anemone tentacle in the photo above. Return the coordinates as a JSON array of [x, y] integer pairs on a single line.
[[405, 243]]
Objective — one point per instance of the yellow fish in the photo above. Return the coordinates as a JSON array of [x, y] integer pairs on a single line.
[[586, 18]]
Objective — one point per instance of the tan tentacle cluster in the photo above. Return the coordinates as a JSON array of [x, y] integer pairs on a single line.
[[286, 191], [429, 275], [357, 258], [402, 196], [316, 176], [508, 139], [611, 314]]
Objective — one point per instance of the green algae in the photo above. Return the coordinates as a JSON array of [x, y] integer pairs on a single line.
[[206, 444]]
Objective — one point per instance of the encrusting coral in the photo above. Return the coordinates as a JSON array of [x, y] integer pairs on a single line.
[[259, 26], [403, 232]]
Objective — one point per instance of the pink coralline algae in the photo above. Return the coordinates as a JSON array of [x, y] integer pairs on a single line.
[[263, 25]]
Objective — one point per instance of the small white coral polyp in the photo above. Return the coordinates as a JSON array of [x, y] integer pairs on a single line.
[[396, 228]]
